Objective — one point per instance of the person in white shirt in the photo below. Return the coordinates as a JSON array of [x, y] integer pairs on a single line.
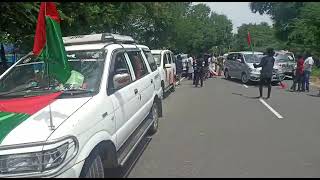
[[307, 71], [190, 67]]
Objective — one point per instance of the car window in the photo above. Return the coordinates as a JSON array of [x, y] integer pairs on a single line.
[[120, 67], [151, 60], [138, 64], [169, 58], [174, 58], [231, 57], [165, 59]]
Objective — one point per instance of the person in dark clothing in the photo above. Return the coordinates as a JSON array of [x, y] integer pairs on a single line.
[[298, 74], [179, 68], [206, 65], [199, 71], [267, 63]]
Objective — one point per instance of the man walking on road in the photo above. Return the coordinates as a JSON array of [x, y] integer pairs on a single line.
[[298, 75], [267, 63], [307, 71]]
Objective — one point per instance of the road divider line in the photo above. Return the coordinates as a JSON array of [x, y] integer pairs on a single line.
[[180, 80], [270, 108], [245, 86]]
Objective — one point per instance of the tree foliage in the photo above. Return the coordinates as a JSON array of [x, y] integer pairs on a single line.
[[296, 23], [262, 36], [179, 26]]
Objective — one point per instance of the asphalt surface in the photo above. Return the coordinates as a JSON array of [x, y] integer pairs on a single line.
[[222, 130]]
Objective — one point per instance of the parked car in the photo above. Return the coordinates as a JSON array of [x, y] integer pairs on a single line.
[[240, 66], [58, 131], [286, 61], [167, 68]]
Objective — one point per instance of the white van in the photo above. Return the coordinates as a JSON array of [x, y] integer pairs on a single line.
[[167, 68], [58, 130]]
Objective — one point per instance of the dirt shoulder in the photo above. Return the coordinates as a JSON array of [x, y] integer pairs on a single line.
[[315, 81]]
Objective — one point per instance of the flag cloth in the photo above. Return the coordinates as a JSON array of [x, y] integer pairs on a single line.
[[48, 43], [249, 41]]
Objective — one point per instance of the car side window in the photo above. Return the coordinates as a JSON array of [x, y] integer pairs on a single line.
[[169, 58], [138, 64], [151, 61], [165, 59], [174, 58], [120, 66], [230, 57]]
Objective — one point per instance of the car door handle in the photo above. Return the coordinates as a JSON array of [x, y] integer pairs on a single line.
[[135, 91], [151, 81]]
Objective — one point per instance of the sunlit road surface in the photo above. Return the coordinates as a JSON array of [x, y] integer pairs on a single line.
[[222, 130]]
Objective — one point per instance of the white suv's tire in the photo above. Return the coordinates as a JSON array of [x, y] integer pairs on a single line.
[[93, 166], [155, 116], [226, 74], [244, 78]]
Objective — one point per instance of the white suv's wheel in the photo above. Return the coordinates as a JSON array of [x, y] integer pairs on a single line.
[[93, 167], [226, 74], [244, 78], [155, 117]]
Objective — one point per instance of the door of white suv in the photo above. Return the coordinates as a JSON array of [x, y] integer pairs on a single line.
[[126, 99], [144, 83]]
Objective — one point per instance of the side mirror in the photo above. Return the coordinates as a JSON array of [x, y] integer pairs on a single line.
[[167, 66], [121, 80]]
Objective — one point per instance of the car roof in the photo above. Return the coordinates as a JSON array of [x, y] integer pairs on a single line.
[[97, 46], [247, 52], [158, 51]]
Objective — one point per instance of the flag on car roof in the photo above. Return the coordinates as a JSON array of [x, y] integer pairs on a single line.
[[48, 43]]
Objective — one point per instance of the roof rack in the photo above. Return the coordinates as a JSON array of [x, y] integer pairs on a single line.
[[98, 38]]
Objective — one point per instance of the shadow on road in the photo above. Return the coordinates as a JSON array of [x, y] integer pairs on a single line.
[[250, 83], [249, 97], [123, 172]]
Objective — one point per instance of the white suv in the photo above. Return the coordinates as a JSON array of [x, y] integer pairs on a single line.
[[60, 131], [166, 64]]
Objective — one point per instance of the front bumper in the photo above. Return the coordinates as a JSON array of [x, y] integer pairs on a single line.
[[275, 77]]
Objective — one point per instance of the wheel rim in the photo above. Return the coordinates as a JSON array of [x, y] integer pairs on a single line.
[[244, 78]]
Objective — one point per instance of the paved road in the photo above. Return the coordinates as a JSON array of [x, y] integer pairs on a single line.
[[221, 130]]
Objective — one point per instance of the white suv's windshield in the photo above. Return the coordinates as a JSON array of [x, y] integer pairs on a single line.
[[252, 58], [284, 58], [157, 58], [30, 76]]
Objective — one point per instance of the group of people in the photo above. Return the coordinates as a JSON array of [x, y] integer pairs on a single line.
[[200, 68], [302, 73]]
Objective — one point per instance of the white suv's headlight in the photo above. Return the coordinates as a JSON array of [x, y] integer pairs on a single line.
[[53, 156]]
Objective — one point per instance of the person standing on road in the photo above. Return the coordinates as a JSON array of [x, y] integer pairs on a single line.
[[298, 74], [267, 63], [179, 68], [307, 71], [199, 71], [189, 67]]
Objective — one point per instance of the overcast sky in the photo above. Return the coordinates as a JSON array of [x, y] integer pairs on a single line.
[[238, 12]]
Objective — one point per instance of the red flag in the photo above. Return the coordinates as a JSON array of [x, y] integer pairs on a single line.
[[249, 39], [48, 43]]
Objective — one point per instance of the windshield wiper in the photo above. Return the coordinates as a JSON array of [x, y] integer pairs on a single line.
[[77, 91]]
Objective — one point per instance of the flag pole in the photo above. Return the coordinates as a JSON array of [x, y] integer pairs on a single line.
[[51, 126]]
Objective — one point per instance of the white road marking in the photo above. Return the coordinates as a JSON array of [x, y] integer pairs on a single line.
[[180, 80], [270, 108], [245, 86]]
